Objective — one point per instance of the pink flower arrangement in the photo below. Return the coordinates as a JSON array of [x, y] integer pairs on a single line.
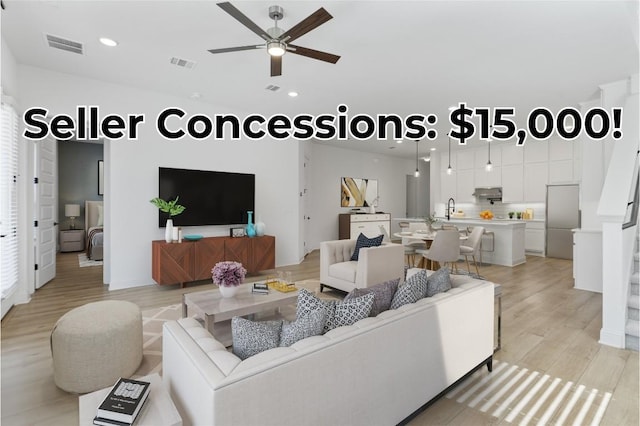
[[228, 273]]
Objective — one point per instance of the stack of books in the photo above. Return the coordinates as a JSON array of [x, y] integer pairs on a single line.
[[260, 288], [123, 403]]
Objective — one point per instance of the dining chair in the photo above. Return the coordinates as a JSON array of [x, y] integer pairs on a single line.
[[411, 245], [444, 249], [471, 247]]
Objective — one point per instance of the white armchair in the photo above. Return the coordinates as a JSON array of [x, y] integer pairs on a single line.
[[375, 265]]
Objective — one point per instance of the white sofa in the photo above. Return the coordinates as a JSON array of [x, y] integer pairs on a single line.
[[376, 372], [374, 265]]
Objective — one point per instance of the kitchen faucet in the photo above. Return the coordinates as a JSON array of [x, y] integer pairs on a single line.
[[450, 206]]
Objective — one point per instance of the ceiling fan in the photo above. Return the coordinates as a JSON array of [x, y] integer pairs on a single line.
[[278, 41]]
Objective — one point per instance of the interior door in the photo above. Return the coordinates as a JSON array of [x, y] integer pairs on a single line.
[[46, 210], [412, 197], [306, 198]]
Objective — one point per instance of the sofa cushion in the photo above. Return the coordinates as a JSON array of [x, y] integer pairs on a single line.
[[438, 282], [363, 242], [382, 295], [311, 324], [344, 271], [414, 289], [338, 313], [252, 337]]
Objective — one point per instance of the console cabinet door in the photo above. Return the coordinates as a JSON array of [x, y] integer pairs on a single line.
[[208, 252], [263, 253], [172, 263], [238, 250]]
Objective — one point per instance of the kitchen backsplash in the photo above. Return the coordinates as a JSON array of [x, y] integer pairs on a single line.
[[500, 210]]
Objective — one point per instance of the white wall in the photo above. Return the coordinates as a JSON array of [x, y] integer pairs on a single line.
[[329, 164], [132, 169]]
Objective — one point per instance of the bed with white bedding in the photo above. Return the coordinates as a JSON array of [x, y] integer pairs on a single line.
[[93, 226]]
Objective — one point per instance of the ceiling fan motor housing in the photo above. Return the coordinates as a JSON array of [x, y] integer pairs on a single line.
[[276, 13]]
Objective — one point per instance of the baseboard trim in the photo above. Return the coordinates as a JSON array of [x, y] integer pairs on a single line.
[[609, 338]]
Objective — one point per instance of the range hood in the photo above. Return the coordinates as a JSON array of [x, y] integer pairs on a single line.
[[492, 194]]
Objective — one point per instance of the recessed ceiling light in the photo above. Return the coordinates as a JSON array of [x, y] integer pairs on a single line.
[[399, 141], [433, 148], [427, 158], [108, 42], [451, 108], [293, 94], [195, 95]]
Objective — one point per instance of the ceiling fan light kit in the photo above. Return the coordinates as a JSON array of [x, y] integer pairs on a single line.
[[277, 41]]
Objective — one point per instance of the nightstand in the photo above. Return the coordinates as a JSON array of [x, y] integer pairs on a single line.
[[72, 240]]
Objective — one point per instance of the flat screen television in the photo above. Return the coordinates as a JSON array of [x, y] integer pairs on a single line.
[[210, 197]]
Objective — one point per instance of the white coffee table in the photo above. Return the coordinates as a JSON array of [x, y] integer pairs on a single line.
[[217, 311], [157, 411]]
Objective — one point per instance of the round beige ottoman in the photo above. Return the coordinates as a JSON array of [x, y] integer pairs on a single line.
[[95, 344]]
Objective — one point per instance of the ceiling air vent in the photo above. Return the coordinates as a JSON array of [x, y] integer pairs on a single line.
[[272, 88], [64, 44], [185, 63]]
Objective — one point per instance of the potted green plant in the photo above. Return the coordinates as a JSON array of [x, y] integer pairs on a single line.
[[171, 207], [511, 215]]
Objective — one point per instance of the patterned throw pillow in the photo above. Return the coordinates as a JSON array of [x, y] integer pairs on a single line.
[[308, 302], [346, 312], [252, 337], [382, 295], [414, 289], [349, 312], [363, 242], [311, 324], [438, 282]]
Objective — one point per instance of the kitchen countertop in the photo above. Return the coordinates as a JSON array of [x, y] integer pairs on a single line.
[[469, 218], [484, 222]]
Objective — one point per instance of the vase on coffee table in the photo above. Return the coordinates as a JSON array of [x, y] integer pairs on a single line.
[[228, 291]]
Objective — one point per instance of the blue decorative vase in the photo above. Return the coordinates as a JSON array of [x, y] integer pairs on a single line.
[[250, 228]]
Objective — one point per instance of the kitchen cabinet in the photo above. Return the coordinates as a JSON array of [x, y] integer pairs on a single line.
[[536, 151], [512, 183], [483, 178], [511, 154], [352, 225], [534, 240], [535, 182], [465, 186], [465, 159]]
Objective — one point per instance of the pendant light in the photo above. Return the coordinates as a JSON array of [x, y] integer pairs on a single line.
[[417, 172], [489, 166], [449, 169]]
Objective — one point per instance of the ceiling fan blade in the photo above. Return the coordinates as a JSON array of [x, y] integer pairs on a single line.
[[276, 66], [314, 54], [311, 22], [242, 18], [236, 49]]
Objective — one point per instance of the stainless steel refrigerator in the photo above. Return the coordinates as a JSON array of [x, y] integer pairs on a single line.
[[563, 215]]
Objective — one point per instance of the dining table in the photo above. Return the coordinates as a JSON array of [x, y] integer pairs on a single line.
[[427, 237]]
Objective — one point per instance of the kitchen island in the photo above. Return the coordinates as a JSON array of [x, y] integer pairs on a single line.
[[505, 247]]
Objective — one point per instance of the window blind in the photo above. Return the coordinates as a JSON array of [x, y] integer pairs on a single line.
[[8, 200]]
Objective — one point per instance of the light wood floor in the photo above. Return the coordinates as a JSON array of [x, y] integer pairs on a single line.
[[548, 327]]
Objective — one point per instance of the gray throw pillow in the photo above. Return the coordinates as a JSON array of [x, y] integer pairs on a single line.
[[252, 337], [339, 313], [382, 295], [311, 324], [414, 289], [438, 282]]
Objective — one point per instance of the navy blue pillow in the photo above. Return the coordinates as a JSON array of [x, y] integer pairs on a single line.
[[364, 242]]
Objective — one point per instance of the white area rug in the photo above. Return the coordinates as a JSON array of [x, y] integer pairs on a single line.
[[84, 262]]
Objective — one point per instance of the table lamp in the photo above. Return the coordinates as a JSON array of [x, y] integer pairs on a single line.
[[72, 211]]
